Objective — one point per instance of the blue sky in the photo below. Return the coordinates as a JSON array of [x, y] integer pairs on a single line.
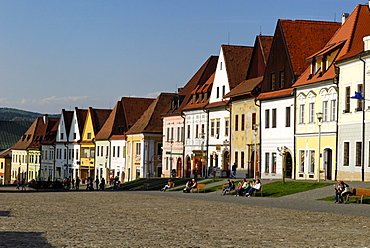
[[89, 53]]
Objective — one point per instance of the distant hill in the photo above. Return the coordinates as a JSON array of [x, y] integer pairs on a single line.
[[10, 114]]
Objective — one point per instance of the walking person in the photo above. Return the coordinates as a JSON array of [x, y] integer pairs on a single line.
[[78, 183], [23, 184], [233, 170], [102, 183], [97, 182]]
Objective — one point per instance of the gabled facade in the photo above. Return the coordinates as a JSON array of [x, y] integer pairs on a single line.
[[293, 42], [95, 119], [144, 140], [196, 130], [110, 142], [62, 151], [353, 117], [26, 153], [5, 166], [232, 68], [244, 135], [48, 152], [173, 121], [317, 105]]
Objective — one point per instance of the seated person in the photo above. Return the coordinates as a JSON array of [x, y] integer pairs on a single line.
[[243, 188], [255, 187], [194, 185], [187, 186], [169, 184], [341, 190], [230, 186]]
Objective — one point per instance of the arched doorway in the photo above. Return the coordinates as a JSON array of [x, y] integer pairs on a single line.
[[178, 167], [288, 166], [328, 163], [188, 167], [226, 161]]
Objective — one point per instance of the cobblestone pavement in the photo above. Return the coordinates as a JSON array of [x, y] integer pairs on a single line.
[[169, 219]]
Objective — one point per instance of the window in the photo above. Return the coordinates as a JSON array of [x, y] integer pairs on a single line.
[[301, 114], [101, 151], [346, 154], [347, 106], [359, 101], [114, 151], [172, 133], [159, 148], [220, 66], [273, 162], [267, 118], [243, 122], [358, 153], [98, 150], [311, 112], [236, 122], [282, 79], [196, 131], [333, 110], [212, 127], [178, 136], [223, 90], [107, 151], [287, 116], [88, 135], [312, 161], [118, 151], [217, 127], [253, 120], [61, 135], [325, 111], [227, 127], [267, 162], [202, 129], [138, 148], [65, 154], [301, 160], [168, 134], [77, 154], [217, 92], [273, 119], [242, 159], [74, 136], [272, 81], [188, 133], [236, 158], [69, 154]]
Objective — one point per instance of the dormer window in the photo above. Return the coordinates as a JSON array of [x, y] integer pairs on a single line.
[[272, 81], [205, 96], [200, 97], [323, 64], [194, 98], [313, 67]]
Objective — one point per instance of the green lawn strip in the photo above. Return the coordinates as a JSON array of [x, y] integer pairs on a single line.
[[365, 200], [278, 189]]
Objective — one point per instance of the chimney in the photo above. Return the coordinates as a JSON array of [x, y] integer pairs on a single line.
[[366, 40], [45, 118], [344, 17]]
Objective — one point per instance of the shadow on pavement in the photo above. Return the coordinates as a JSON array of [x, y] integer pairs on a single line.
[[23, 239]]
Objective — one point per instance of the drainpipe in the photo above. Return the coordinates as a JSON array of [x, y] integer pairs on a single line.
[[183, 145], [336, 82], [363, 123]]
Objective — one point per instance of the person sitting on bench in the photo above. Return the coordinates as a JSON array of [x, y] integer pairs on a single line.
[[256, 187]]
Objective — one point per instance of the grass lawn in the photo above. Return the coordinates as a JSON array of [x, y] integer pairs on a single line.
[[278, 189]]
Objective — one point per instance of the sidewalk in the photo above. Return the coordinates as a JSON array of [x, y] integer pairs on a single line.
[[303, 201]]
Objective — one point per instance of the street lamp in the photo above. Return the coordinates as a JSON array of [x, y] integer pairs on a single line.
[[255, 127], [319, 119]]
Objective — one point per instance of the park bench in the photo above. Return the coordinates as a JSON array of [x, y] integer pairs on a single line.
[[258, 191], [199, 187], [358, 194], [229, 191]]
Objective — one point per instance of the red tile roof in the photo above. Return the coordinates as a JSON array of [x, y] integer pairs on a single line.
[[275, 94], [124, 115], [98, 118], [151, 120], [237, 60], [200, 89], [302, 37], [348, 40], [244, 88]]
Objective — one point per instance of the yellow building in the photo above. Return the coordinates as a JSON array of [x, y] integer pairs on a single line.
[[95, 119], [145, 140], [244, 128]]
